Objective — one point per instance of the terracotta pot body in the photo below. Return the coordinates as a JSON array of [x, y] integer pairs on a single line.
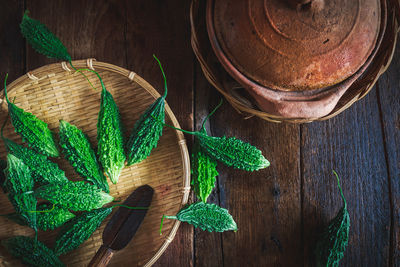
[[295, 57]]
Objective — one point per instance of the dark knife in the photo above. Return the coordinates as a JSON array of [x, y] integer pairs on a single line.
[[123, 225]]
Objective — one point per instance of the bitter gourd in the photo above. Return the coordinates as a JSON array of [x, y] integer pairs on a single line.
[[79, 229], [42, 39], [203, 173], [206, 216], [19, 183], [109, 136], [31, 251], [79, 153], [50, 217], [147, 131], [76, 196], [18, 176], [32, 130], [332, 243], [230, 151], [44, 171], [3, 166], [25, 206], [17, 218]]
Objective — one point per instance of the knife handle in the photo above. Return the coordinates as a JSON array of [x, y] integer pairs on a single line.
[[102, 257]]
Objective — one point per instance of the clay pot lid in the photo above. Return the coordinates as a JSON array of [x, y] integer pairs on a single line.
[[295, 45]]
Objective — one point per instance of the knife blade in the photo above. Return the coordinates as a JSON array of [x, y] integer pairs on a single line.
[[123, 225]]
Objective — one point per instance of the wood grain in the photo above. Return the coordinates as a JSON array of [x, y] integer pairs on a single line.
[[266, 203], [389, 100], [12, 51], [161, 28], [12, 45], [207, 246], [351, 144], [102, 257], [89, 29]]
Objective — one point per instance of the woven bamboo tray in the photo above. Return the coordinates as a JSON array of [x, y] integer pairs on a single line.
[[244, 103], [55, 92]]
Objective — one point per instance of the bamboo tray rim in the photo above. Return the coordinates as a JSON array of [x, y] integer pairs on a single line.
[[91, 63]]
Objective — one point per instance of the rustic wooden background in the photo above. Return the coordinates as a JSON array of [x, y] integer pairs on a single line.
[[279, 210]]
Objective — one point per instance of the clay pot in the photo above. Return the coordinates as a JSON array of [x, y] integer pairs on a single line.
[[296, 58]]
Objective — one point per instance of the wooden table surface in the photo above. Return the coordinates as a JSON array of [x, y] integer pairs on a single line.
[[279, 210]]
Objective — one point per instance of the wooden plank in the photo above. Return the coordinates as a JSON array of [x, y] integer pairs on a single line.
[[266, 203], [207, 246], [161, 28], [12, 52], [12, 45], [89, 29], [389, 100], [351, 144]]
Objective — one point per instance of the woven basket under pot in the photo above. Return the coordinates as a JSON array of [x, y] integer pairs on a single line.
[[292, 106]]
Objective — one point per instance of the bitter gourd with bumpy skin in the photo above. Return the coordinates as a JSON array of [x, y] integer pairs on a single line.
[[31, 252], [3, 166], [79, 153], [18, 176], [42, 39], [147, 131], [43, 170], [76, 196], [79, 229], [32, 130], [203, 173], [206, 216], [109, 136], [25, 206], [232, 152], [50, 218], [47, 217], [17, 218], [18, 183], [332, 243]]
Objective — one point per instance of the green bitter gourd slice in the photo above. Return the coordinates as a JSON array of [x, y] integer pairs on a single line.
[[32, 130], [42, 39], [203, 173], [147, 131], [79, 153], [109, 136], [206, 216], [19, 183], [43, 170], [79, 229], [76, 196], [332, 243], [31, 251], [50, 217]]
